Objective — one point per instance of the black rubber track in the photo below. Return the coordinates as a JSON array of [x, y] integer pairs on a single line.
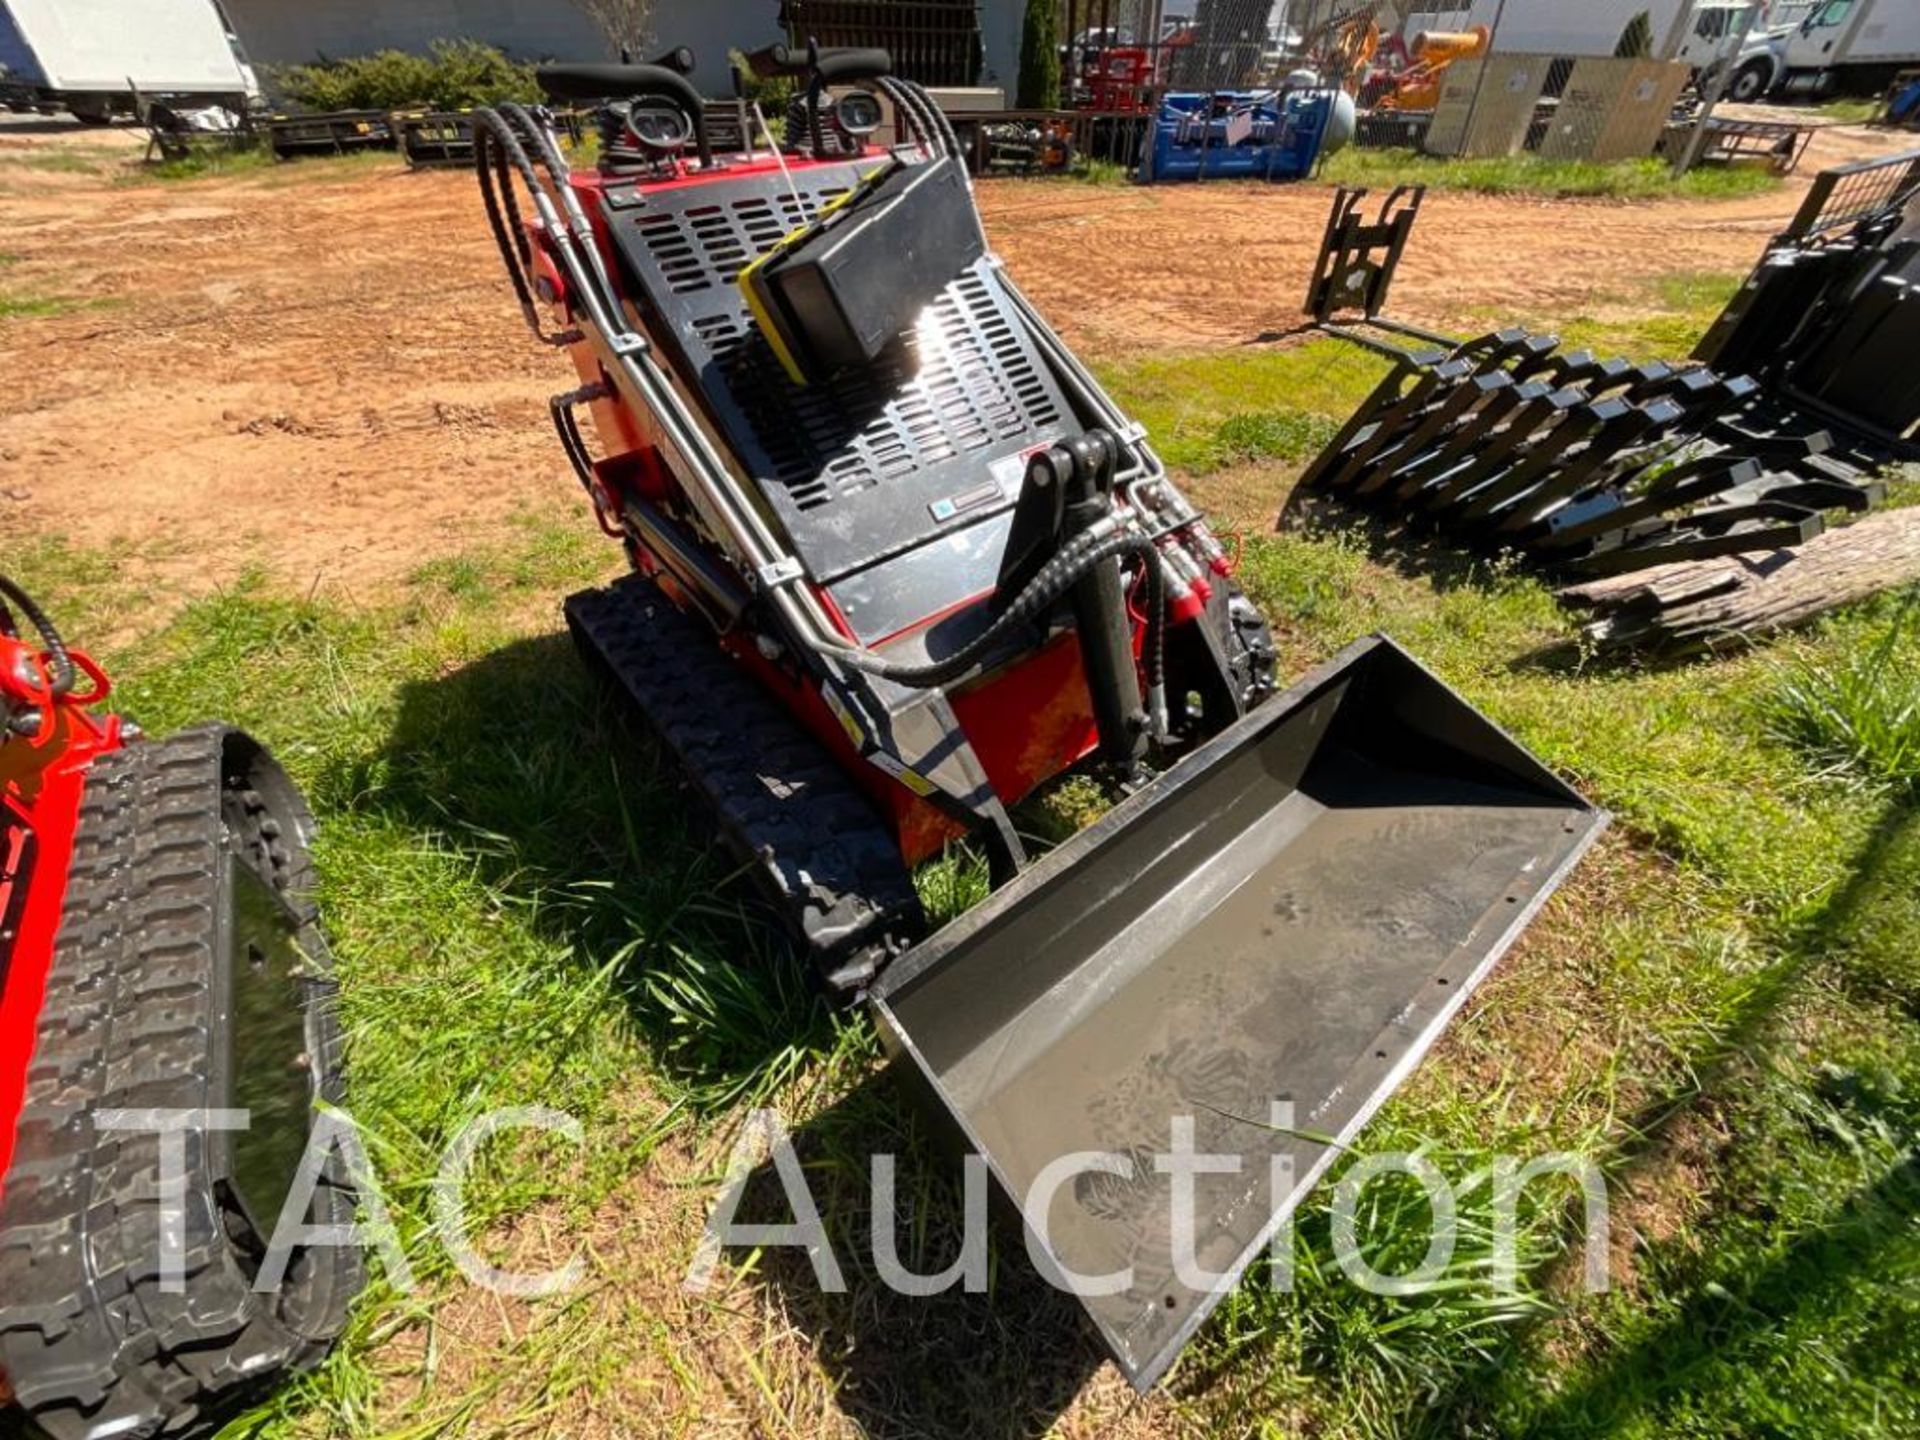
[[134, 1018], [1248, 641], [814, 843]]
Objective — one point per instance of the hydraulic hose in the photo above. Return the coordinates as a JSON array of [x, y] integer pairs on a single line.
[[59, 663], [560, 175], [1052, 581], [926, 115], [495, 147], [905, 105]]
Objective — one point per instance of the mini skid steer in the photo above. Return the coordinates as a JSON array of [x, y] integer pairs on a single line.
[[160, 959], [897, 561]]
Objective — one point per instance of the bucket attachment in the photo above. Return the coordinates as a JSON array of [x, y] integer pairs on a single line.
[[1264, 940]]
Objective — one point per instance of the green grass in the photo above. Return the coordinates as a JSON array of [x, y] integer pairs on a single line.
[[1849, 109], [1531, 175], [206, 161], [257, 163], [15, 305], [1660, 320], [1725, 992], [22, 307], [520, 912], [1860, 717], [68, 159], [1103, 172], [1257, 403]]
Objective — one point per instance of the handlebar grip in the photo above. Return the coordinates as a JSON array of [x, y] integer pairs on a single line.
[[601, 82], [868, 63], [679, 60], [847, 63]]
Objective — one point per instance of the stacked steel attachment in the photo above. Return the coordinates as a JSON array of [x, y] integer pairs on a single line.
[[1830, 318], [1801, 393], [428, 138], [1592, 466]]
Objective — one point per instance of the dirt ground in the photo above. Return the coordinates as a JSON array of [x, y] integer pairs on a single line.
[[319, 368]]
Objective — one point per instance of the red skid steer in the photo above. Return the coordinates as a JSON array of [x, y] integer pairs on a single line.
[[897, 560]]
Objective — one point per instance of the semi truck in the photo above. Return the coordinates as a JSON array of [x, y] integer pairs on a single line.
[[91, 57], [1838, 46]]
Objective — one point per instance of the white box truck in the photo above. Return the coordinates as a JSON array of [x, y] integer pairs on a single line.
[[89, 56], [1852, 45], [1839, 45]]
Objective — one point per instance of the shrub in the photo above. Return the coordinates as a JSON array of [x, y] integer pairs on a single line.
[[770, 92], [454, 75]]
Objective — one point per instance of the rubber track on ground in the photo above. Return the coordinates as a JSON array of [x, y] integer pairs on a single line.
[[780, 800], [91, 1341]]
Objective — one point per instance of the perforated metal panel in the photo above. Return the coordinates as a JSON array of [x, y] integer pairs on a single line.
[[868, 464]]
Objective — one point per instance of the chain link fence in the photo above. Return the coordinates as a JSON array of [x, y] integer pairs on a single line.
[[1494, 79], [1603, 82]]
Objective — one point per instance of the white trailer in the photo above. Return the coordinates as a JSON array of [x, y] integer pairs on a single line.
[[89, 56], [1698, 32]]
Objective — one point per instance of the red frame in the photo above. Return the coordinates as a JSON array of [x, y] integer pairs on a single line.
[[1028, 721], [41, 779]]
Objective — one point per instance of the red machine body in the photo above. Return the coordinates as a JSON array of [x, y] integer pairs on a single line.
[[41, 776], [1122, 81], [1056, 726]]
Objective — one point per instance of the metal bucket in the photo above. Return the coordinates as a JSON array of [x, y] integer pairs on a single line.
[[1265, 939]]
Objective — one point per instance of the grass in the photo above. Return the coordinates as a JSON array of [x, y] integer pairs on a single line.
[[219, 162], [520, 913], [24, 307], [1258, 403], [1722, 1010], [1531, 175], [1859, 718], [205, 161], [1283, 403], [15, 305], [123, 166], [1661, 319], [67, 159], [1849, 109], [1102, 172]]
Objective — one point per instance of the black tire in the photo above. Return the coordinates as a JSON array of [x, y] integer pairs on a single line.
[[1749, 82], [148, 974]]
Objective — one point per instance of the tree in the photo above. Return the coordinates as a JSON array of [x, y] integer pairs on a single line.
[[1636, 41], [1040, 57], [626, 24]]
